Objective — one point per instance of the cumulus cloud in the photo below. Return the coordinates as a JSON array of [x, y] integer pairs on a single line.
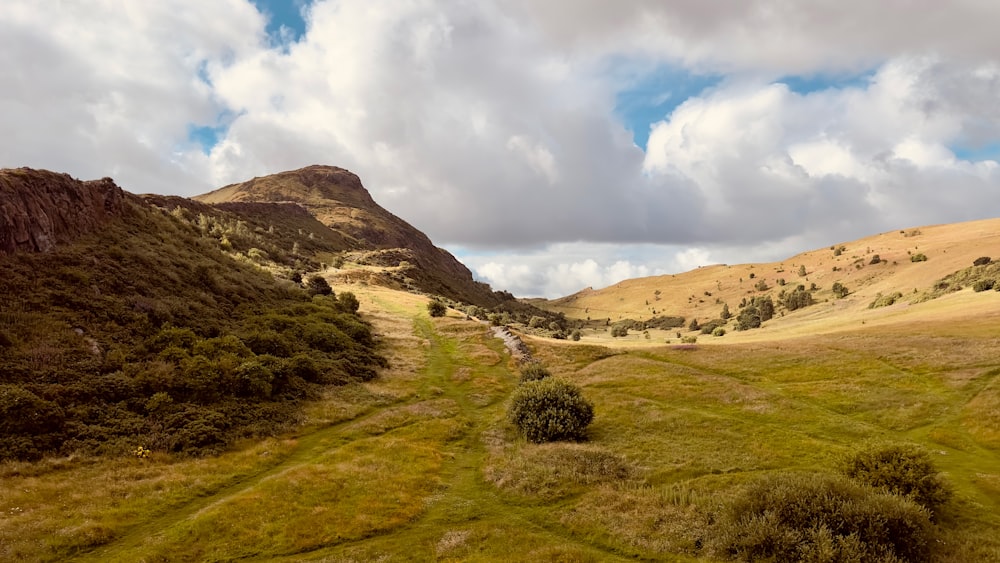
[[494, 127]]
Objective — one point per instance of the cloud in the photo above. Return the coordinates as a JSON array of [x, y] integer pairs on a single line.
[[492, 126]]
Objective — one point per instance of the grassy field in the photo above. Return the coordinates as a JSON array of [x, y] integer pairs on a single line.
[[420, 465]]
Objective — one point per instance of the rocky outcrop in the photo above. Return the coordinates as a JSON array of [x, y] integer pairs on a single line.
[[40, 209]]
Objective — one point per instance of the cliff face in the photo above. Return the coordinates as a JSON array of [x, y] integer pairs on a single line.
[[40, 209]]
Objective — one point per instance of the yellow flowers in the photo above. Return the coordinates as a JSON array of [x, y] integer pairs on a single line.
[[142, 452]]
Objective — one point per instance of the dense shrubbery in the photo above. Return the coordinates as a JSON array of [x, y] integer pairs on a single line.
[[983, 285], [550, 409], [796, 299], [755, 312], [900, 469], [102, 355], [663, 322], [534, 371], [794, 517]]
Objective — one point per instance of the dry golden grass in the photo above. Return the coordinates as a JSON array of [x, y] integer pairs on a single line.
[[699, 294]]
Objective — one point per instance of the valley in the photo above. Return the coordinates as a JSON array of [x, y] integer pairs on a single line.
[[419, 464]]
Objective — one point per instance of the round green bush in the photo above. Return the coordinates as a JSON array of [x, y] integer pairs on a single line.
[[822, 517], [901, 469], [436, 308], [550, 409]]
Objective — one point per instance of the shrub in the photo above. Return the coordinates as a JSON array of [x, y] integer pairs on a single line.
[[348, 302], [901, 469], [534, 372], [536, 322], [921, 257], [725, 314], [711, 325], [317, 285], [885, 300], [875, 259], [575, 335], [618, 330], [719, 331], [694, 325], [983, 285], [981, 261], [821, 517], [761, 286], [802, 271], [839, 290], [550, 409], [436, 308], [689, 339]]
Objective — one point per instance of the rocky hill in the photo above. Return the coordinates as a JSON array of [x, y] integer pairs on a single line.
[[40, 209], [337, 198]]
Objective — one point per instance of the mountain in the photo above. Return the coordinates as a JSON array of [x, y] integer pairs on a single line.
[[920, 264], [159, 321], [337, 198]]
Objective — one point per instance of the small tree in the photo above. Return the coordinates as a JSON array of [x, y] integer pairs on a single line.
[[348, 302], [550, 409], [725, 315], [839, 290], [436, 308], [802, 271], [317, 285], [694, 325]]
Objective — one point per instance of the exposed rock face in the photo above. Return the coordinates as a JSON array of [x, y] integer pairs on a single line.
[[40, 209]]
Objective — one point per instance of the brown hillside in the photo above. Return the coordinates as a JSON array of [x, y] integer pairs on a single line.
[[700, 294], [337, 198], [40, 209]]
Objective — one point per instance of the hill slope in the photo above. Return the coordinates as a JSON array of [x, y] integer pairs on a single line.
[[127, 323], [337, 199], [701, 293]]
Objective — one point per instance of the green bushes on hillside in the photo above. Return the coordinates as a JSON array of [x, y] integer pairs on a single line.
[[101, 356], [436, 308]]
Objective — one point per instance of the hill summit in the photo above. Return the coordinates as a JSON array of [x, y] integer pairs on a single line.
[[337, 198]]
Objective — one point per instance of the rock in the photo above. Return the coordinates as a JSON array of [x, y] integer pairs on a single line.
[[40, 209]]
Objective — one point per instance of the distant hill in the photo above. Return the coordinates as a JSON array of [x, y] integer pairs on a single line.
[[915, 262], [339, 201]]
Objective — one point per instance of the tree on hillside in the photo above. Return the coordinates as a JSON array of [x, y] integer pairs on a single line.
[[317, 285], [436, 308]]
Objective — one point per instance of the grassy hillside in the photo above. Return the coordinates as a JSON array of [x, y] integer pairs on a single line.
[[701, 293], [153, 332], [420, 463]]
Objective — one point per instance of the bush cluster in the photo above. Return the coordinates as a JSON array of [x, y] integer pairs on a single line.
[[550, 409], [794, 517]]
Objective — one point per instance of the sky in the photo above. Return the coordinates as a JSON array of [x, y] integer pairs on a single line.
[[551, 146]]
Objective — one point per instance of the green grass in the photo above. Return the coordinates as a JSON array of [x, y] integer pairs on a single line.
[[420, 464]]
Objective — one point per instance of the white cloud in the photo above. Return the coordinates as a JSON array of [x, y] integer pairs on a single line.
[[493, 124]]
